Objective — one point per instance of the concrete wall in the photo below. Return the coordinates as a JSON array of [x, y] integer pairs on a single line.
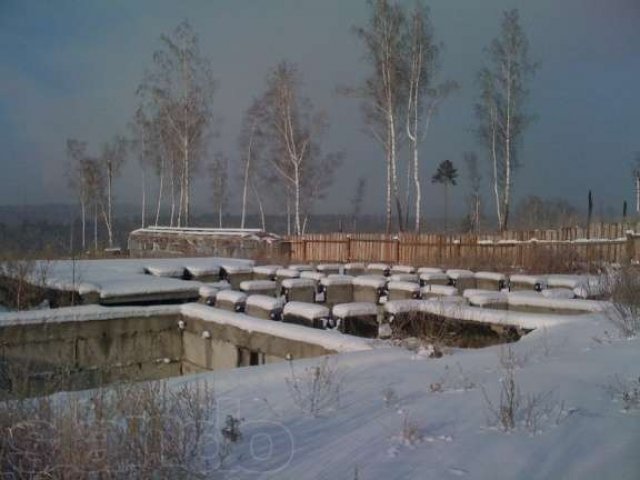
[[40, 358]]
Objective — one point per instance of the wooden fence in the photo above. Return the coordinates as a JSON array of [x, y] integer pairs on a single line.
[[534, 249]]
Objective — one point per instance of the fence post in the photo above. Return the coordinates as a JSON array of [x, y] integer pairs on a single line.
[[630, 248], [304, 251], [397, 249], [348, 248]]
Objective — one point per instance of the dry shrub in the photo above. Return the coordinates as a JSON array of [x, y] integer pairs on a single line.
[[130, 431], [317, 389], [441, 331], [623, 286]]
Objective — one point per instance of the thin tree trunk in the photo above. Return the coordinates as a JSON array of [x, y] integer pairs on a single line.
[[108, 221], [288, 215], [173, 198], [260, 207], [160, 188], [494, 156], [638, 194], [83, 215], [144, 200], [187, 184], [507, 155], [95, 227], [247, 168], [297, 200]]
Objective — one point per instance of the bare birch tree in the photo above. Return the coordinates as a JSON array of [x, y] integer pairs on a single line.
[[219, 171], [111, 160], [383, 94], [179, 91], [250, 145], [475, 179], [292, 132], [78, 179], [424, 96], [501, 107]]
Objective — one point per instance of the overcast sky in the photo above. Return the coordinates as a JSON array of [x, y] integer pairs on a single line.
[[70, 69]]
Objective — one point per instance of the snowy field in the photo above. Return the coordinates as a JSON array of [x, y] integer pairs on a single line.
[[393, 413]]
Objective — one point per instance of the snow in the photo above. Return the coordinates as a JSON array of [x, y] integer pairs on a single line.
[[255, 285], [335, 280], [457, 273], [199, 271], [393, 307], [316, 276], [354, 309], [481, 299], [231, 296], [378, 266], [298, 283], [267, 269], [323, 267], [443, 290], [310, 311], [354, 266], [403, 277], [558, 293], [287, 273], [529, 279], [234, 269], [265, 302], [207, 291], [302, 267], [110, 279], [490, 276], [585, 434], [403, 269], [403, 286], [517, 299], [165, 271], [422, 270], [372, 281], [430, 277]]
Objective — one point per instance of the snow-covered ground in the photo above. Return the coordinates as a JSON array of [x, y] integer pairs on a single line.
[[402, 414]]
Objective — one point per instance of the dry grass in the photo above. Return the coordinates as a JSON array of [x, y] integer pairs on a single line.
[[129, 431]]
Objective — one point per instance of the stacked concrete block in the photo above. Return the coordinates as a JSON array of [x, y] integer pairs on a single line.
[[422, 270], [358, 318], [434, 278], [379, 269], [399, 290], [404, 277], [302, 267], [235, 274], [462, 279], [437, 291], [491, 280], [403, 269], [299, 290], [307, 314], [487, 299], [527, 282], [284, 274], [231, 300], [260, 287], [337, 289], [354, 269], [263, 306], [369, 288], [329, 268], [265, 272]]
